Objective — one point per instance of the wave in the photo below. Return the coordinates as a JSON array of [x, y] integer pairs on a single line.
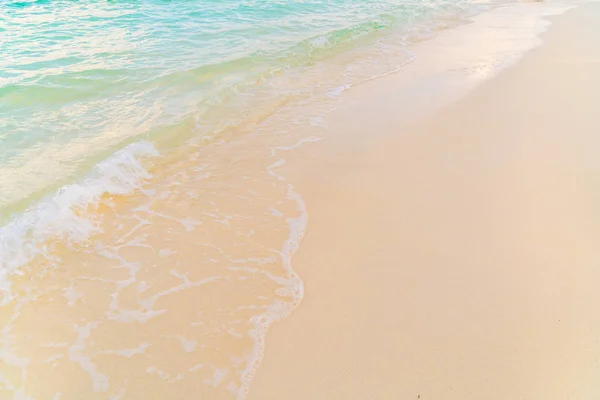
[[62, 216]]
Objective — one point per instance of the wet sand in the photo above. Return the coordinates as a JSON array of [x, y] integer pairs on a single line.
[[458, 258]]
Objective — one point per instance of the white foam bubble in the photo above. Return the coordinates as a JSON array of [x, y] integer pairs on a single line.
[[292, 284], [76, 352], [62, 216], [187, 345]]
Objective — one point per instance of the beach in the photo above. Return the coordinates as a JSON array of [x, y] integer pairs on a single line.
[[456, 258], [375, 199]]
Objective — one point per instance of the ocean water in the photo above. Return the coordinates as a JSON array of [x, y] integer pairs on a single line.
[[146, 235], [80, 80]]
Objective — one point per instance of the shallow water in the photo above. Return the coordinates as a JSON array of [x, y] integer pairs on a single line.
[[147, 235]]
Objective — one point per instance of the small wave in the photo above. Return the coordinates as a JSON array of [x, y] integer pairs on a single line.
[[62, 215]]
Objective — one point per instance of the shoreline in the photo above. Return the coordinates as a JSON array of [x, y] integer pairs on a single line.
[[326, 75], [455, 259]]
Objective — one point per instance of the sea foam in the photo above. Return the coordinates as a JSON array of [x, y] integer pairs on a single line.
[[62, 215]]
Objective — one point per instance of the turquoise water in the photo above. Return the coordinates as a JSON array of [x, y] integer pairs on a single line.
[[80, 80]]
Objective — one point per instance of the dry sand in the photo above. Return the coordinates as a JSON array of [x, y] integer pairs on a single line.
[[458, 259]]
